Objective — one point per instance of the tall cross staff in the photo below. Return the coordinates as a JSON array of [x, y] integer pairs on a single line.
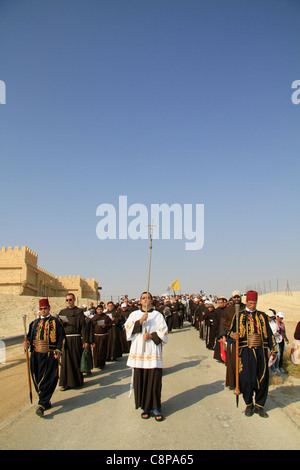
[[148, 283]]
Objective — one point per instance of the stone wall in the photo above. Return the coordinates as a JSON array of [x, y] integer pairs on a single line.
[[21, 275]]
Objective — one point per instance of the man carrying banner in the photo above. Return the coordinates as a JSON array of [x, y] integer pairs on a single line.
[[145, 356], [46, 339]]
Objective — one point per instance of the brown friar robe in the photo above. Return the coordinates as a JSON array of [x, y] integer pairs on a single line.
[[209, 318], [203, 310], [101, 324], [114, 347], [124, 343], [297, 331], [226, 317], [76, 334], [218, 332]]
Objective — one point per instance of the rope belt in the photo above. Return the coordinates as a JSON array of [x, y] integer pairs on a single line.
[[99, 334], [68, 336], [254, 340]]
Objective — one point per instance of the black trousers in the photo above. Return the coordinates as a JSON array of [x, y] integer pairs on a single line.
[[44, 371], [281, 349], [254, 375]]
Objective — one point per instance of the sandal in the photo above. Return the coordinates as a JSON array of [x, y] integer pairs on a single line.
[[158, 417], [145, 415]]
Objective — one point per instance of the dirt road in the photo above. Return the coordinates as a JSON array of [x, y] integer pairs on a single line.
[[200, 413]]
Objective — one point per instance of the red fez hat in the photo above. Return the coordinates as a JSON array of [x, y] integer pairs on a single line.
[[251, 296], [44, 303]]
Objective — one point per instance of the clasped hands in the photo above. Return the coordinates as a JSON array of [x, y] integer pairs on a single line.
[[146, 336]]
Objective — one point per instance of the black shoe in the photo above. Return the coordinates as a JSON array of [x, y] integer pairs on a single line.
[[260, 411], [249, 411], [39, 411]]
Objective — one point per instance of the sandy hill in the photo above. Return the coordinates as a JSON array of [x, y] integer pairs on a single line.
[[289, 305]]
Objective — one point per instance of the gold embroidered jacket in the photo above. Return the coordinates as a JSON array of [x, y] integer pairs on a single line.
[[48, 331], [254, 323]]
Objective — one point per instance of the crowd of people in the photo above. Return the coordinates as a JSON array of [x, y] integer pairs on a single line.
[[109, 330], [213, 320]]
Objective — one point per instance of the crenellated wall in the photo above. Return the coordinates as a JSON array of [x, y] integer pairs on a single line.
[[20, 275]]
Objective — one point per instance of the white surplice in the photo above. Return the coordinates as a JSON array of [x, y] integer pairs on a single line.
[[152, 356]]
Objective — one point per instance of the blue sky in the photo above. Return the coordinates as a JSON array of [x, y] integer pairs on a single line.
[[163, 101]]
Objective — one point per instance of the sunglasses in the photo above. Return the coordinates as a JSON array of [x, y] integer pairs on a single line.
[[69, 300]]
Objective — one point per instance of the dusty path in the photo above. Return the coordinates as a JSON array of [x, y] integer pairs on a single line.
[[200, 413]]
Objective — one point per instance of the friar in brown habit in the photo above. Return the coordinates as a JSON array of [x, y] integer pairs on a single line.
[[101, 324], [218, 327], [76, 339], [226, 317], [114, 347]]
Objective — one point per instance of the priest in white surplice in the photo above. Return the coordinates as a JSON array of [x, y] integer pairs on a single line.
[[145, 356]]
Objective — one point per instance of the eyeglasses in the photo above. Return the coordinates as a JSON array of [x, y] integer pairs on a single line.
[[69, 300], [236, 297]]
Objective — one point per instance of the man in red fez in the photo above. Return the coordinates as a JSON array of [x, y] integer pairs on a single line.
[[45, 338], [44, 303], [251, 296], [255, 340]]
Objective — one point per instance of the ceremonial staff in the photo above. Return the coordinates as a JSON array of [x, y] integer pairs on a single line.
[[237, 391], [27, 359], [148, 283]]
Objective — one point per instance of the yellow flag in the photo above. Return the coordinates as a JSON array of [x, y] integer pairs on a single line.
[[175, 285]]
